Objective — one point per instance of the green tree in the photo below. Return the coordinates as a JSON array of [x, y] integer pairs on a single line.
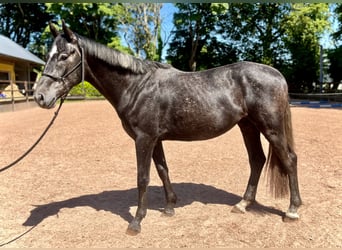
[[24, 23], [337, 36], [256, 31], [141, 29], [335, 55], [195, 37], [335, 68], [97, 21], [304, 27]]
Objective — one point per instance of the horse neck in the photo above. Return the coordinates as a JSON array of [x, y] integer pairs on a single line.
[[112, 82]]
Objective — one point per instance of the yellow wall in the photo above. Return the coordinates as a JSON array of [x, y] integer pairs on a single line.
[[8, 67]]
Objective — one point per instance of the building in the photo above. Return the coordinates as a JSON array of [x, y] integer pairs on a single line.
[[16, 67]]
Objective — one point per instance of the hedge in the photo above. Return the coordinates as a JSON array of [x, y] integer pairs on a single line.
[[85, 89]]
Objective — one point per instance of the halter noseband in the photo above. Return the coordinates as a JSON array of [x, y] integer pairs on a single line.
[[62, 78]]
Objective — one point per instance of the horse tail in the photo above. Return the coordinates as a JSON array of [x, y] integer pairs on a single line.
[[276, 174]]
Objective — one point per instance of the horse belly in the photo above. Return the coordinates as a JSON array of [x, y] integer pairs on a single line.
[[201, 123]]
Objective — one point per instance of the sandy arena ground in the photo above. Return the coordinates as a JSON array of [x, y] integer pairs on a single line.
[[78, 187]]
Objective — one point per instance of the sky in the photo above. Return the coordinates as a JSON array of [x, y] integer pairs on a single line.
[[166, 14]]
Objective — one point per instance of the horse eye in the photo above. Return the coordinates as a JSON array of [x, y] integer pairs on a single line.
[[63, 57]]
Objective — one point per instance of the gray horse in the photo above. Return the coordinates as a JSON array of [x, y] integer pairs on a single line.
[[157, 102]]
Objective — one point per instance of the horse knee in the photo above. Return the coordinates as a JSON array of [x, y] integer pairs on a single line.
[[143, 182], [290, 165]]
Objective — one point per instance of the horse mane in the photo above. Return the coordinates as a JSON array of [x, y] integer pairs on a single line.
[[119, 59]]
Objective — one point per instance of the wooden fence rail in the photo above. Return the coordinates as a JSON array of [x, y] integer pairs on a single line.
[[19, 92]]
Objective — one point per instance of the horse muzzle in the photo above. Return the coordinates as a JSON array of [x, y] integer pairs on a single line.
[[45, 101]]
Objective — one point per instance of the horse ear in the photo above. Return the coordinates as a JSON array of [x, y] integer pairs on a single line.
[[69, 35], [53, 30]]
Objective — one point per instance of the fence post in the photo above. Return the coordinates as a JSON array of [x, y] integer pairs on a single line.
[[26, 92], [12, 95], [320, 68]]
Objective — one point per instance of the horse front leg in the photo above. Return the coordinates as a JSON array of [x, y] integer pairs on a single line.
[[144, 148], [163, 172]]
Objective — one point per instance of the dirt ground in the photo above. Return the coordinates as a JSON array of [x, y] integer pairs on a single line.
[[78, 187]]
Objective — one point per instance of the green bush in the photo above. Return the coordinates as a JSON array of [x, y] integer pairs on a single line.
[[87, 90]]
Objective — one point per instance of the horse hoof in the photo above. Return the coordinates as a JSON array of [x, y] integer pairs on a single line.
[[133, 229], [132, 232], [168, 212], [290, 217], [238, 209]]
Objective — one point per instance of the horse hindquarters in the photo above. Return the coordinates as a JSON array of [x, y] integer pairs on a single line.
[[266, 97]]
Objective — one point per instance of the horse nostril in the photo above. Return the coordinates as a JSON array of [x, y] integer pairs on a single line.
[[39, 97]]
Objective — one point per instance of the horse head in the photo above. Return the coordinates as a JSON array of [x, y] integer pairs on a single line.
[[63, 68]]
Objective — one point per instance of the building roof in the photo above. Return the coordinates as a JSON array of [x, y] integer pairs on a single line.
[[12, 49]]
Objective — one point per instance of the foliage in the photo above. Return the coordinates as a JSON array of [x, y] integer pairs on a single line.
[[85, 89], [206, 35], [338, 11], [335, 55], [282, 35], [116, 44], [24, 23], [141, 29], [94, 20], [304, 26], [335, 69], [195, 37], [256, 31]]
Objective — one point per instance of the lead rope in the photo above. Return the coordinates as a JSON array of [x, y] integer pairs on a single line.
[[51, 122], [36, 143]]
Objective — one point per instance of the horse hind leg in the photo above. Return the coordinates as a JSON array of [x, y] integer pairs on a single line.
[[163, 172], [282, 171], [251, 136], [282, 163]]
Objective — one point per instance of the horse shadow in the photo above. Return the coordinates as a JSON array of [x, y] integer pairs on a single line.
[[119, 201]]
